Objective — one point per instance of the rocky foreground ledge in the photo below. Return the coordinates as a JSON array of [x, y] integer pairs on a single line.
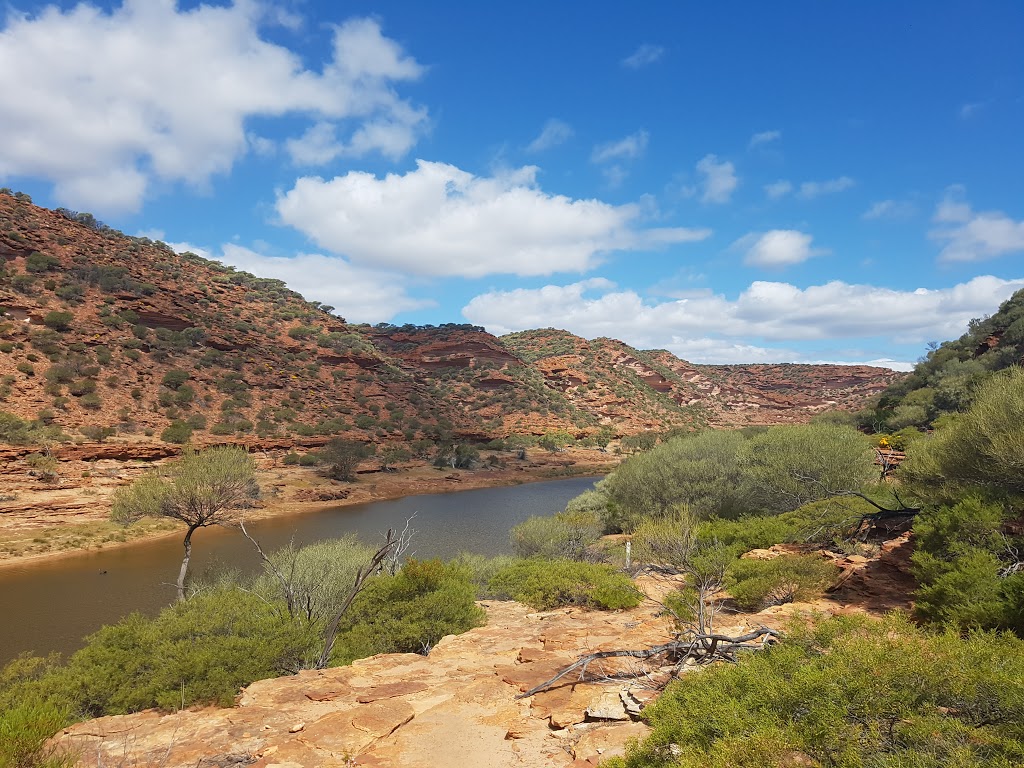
[[457, 707]]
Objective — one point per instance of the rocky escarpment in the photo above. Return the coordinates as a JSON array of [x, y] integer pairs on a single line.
[[641, 390], [103, 333]]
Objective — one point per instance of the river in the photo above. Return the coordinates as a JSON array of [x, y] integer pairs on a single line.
[[51, 605]]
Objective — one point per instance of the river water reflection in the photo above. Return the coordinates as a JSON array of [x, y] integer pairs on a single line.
[[51, 605]]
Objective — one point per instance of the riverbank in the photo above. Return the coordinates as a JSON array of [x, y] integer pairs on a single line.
[[44, 520]]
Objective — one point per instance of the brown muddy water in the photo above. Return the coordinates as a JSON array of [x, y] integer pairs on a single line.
[[51, 605]]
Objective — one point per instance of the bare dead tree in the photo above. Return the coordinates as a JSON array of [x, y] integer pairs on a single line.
[[394, 560], [702, 648]]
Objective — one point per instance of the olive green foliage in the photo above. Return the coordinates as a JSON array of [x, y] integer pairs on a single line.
[[757, 584], [728, 474], [25, 728], [947, 379], [969, 568], [201, 488], [340, 457], [788, 466], [848, 693], [18, 431], [968, 557], [481, 570], [200, 650], [547, 584], [410, 611], [314, 580], [59, 321], [979, 450], [701, 471], [41, 262], [179, 432], [829, 522], [567, 535]]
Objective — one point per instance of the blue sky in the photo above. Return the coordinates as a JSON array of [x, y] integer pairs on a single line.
[[742, 182]]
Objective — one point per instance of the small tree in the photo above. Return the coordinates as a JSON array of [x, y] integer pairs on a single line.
[[340, 457], [200, 489], [391, 456]]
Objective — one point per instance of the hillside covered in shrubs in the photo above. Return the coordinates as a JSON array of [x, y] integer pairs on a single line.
[[105, 335]]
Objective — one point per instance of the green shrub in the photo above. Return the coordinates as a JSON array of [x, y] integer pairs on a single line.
[[565, 535], [99, 434], [756, 584], [174, 378], [58, 321], [24, 730], [184, 395], [41, 262], [177, 432], [82, 387], [848, 693], [290, 459], [411, 611], [196, 421], [546, 584], [200, 650], [964, 560], [91, 401]]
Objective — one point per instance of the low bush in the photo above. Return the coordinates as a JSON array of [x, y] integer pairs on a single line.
[[200, 650], [177, 432], [25, 729], [546, 584], [757, 584], [410, 612], [965, 560], [567, 535], [849, 692]]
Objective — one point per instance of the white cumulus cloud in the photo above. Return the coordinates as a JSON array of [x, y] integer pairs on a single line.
[[440, 220], [719, 179], [357, 294], [967, 235], [778, 313], [103, 103], [777, 248]]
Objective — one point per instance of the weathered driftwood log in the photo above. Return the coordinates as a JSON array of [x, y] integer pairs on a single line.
[[703, 648]]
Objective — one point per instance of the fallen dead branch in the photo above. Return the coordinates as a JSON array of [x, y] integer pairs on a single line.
[[702, 648]]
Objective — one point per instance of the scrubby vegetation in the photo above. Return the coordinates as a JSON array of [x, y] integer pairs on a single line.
[[848, 693], [232, 631], [547, 584]]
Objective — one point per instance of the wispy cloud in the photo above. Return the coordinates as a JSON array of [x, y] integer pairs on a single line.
[[720, 179], [615, 155], [812, 189], [778, 189], [890, 209], [553, 133], [764, 137], [629, 148], [643, 56], [971, 108]]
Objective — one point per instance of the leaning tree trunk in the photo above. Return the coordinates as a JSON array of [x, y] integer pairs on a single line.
[[184, 563]]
